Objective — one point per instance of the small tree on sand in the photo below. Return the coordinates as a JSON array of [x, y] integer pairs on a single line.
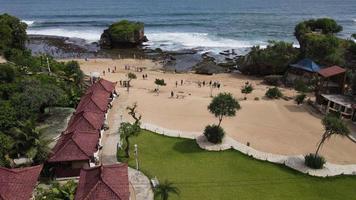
[[224, 104], [130, 76], [127, 129], [246, 89], [163, 190], [159, 82], [333, 125]]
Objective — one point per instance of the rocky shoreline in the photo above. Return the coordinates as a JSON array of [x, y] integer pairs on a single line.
[[179, 61]]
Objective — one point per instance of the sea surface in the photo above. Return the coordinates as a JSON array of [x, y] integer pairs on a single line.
[[206, 25]]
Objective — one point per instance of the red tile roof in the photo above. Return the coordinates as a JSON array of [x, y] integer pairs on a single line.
[[94, 102], [18, 184], [75, 146], [109, 182], [102, 84], [331, 71], [84, 121]]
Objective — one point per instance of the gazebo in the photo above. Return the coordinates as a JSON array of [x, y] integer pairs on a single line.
[[304, 70]]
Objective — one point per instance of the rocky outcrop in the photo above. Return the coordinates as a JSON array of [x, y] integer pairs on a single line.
[[123, 34]]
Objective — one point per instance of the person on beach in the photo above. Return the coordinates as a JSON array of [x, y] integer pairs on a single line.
[[120, 82], [109, 69], [143, 76], [203, 83], [103, 72], [176, 83], [181, 82], [172, 94]]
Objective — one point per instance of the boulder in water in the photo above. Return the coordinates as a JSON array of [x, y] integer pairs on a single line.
[[123, 34]]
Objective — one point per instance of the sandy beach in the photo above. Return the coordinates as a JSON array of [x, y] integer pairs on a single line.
[[276, 126], [2, 60]]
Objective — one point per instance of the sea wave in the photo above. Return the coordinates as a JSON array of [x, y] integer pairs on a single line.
[[180, 40], [28, 22], [89, 35]]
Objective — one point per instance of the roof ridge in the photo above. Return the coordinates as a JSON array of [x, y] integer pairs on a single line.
[[103, 180], [80, 148], [19, 170]]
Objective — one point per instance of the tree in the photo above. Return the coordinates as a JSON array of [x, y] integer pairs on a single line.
[[333, 125], [163, 190], [58, 191], [30, 142], [224, 104], [354, 36], [12, 33], [317, 40], [159, 82], [247, 89], [128, 130], [130, 76], [274, 59]]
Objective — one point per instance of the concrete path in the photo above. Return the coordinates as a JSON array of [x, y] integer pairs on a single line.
[[139, 183]]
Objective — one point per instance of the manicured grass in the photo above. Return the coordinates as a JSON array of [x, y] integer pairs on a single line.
[[229, 174]]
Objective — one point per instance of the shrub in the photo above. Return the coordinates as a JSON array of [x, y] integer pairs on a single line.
[[300, 98], [314, 161], [274, 93], [214, 133], [300, 86], [257, 98], [274, 80]]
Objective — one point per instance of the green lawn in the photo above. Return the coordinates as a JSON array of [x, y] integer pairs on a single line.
[[230, 175]]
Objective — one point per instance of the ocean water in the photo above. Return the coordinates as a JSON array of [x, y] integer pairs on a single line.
[[207, 25]]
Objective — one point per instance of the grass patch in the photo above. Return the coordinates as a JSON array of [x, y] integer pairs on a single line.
[[230, 174]]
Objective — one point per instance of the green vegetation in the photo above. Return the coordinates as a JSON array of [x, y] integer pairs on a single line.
[[12, 33], [214, 133], [274, 93], [224, 105], [229, 174], [163, 190], [125, 30], [128, 130], [271, 60], [57, 191], [246, 89], [333, 125], [130, 76], [123, 33], [314, 161], [159, 82], [300, 98], [28, 85]]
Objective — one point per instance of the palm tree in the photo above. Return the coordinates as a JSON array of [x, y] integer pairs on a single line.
[[333, 125], [163, 190]]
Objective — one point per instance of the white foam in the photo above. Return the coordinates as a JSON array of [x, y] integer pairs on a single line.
[[178, 40], [28, 22], [89, 35], [354, 20]]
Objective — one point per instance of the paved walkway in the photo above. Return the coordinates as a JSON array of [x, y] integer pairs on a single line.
[[294, 161], [139, 183]]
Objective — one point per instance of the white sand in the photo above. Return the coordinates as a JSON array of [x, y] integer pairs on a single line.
[[2, 60], [275, 126]]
